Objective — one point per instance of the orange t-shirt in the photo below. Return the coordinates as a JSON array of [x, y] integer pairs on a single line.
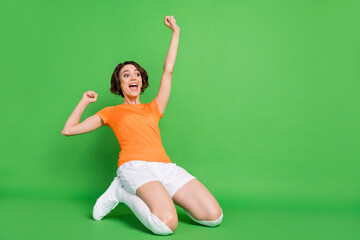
[[136, 127]]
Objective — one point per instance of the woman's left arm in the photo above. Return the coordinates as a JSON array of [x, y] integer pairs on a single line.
[[163, 95]]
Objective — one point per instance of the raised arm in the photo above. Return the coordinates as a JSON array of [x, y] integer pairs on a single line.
[[163, 95], [72, 125]]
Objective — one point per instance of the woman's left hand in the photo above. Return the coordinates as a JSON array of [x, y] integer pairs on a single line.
[[171, 23]]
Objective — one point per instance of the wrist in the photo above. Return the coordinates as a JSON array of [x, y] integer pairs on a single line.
[[83, 102]]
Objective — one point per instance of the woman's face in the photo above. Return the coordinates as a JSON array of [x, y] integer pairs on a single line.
[[129, 75]]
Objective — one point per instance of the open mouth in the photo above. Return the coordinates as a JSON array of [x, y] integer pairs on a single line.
[[133, 87]]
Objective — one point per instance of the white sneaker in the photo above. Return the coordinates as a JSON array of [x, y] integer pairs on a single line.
[[108, 201]]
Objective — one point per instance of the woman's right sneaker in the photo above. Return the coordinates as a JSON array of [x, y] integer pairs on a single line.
[[108, 201]]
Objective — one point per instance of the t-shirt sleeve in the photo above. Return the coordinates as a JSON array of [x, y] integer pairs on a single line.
[[104, 114], [155, 106]]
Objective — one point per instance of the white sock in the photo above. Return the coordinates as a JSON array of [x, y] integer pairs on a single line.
[[207, 223], [142, 212]]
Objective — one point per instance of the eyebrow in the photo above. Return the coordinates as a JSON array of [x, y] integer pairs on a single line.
[[129, 71]]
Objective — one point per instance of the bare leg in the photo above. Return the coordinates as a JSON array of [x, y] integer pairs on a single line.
[[159, 202], [199, 204], [141, 210], [116, 193]]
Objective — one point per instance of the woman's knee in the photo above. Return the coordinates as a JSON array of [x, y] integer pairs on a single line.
[[215, 220], [210, 213], [159, 202], [169, 218], [214, 213], [206, 212], [209, 221]]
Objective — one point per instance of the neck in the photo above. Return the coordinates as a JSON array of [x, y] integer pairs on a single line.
[[132, 101]]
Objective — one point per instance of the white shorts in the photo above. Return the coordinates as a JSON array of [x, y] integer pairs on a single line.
[[135, 173]]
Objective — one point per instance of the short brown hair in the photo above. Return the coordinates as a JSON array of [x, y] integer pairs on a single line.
[[115, 78]]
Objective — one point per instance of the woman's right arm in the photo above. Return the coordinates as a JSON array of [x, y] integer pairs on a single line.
[[72, 125]]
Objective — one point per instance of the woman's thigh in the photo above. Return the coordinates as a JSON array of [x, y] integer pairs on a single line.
[[195, 198], [159, 202]]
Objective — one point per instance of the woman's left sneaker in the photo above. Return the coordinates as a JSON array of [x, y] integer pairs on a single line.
[[108, 201]]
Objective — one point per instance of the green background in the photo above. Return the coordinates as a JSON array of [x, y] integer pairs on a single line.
[[264, 111]]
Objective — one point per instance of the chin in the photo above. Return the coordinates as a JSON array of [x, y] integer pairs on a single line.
[[135, 94]]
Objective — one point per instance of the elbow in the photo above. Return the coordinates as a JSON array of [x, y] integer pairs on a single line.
[[65, 133], [168, 70]]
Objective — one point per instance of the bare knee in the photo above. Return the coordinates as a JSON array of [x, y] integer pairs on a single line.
[[159, 202], [209, 214], [214, 214], [170, 219]]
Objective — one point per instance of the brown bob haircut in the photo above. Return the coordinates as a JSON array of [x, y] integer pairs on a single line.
[[115, 78]]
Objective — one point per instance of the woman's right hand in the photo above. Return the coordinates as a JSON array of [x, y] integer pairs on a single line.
[[89, 97]]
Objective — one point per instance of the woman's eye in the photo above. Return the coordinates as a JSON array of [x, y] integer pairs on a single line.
[[127, 74]]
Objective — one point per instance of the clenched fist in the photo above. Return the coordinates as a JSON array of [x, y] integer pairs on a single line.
[[89, 97], [171, 23]]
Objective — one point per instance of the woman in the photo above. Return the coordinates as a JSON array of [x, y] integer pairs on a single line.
[[147, 181]]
